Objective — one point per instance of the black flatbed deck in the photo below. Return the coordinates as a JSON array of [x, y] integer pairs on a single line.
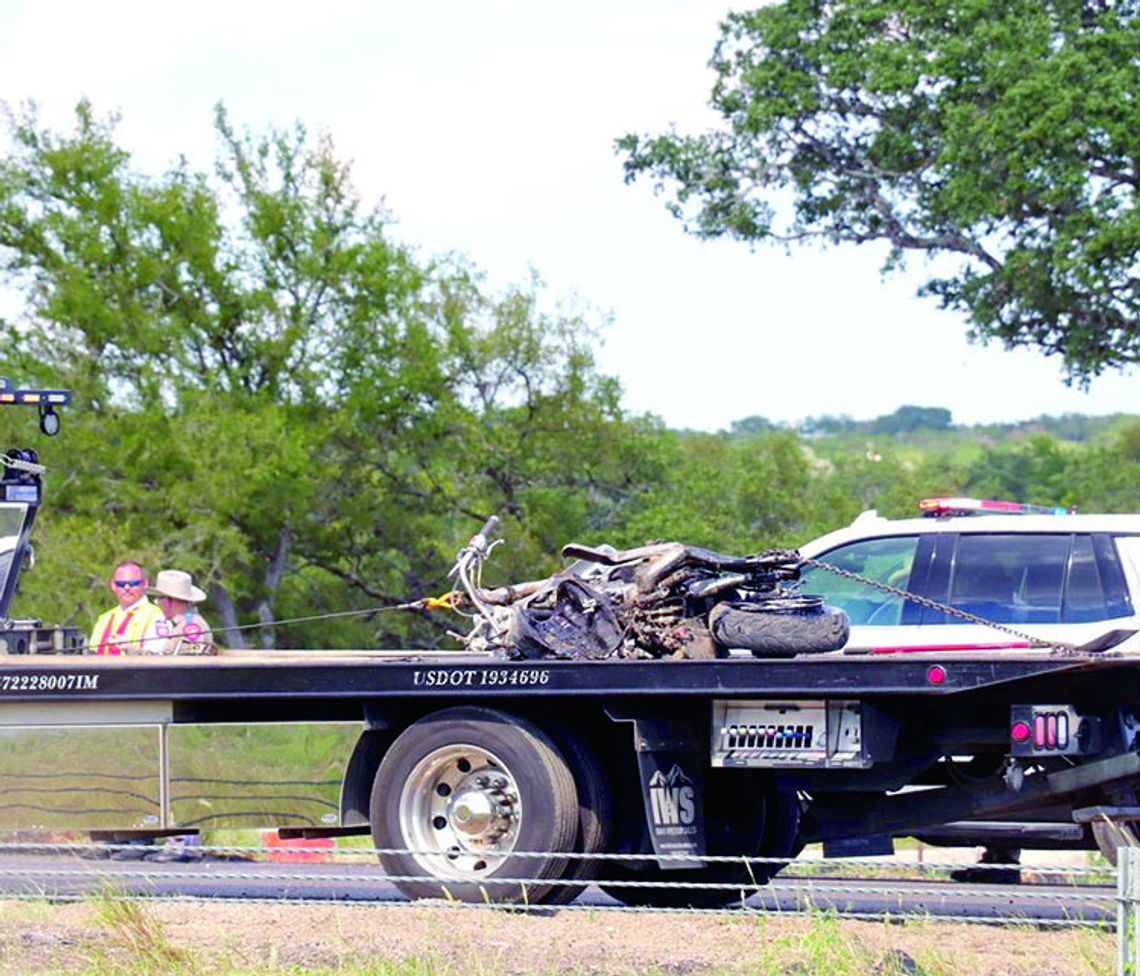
[[338, 675]]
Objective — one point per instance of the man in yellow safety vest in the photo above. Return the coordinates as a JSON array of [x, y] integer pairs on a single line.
[[126, 628]]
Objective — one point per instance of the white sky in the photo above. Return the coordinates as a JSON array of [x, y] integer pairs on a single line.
[[487, 129]]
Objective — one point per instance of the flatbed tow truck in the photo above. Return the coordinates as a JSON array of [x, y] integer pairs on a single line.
[[483, 778]]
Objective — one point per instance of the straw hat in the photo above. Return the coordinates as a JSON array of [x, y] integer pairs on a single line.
[[177, 584]]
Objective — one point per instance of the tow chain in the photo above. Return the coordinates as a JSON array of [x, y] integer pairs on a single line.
[[1058, 647]]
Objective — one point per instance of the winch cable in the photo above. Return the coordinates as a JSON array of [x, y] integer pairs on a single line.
[[447, 601]]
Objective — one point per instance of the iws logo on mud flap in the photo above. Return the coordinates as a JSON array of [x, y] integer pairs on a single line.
[[672, 798]]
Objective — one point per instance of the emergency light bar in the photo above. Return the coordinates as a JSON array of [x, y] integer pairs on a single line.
[[57, 398], [46, 400], [983, 506]]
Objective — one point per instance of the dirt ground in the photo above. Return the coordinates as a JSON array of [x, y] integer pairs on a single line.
[[192, 938]]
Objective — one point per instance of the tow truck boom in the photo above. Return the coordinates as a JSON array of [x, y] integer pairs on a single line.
[[21, 493]]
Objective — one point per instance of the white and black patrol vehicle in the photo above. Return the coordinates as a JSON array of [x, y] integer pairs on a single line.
[[983, 575], [1038, 573]]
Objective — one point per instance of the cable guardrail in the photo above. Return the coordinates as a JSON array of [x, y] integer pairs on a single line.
[[548, 910], [843, 886], [1063, 895], [883, 861]]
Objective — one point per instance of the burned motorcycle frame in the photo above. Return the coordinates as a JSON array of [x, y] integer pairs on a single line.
[[660, 600]]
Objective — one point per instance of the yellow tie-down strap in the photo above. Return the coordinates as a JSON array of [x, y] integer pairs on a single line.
[[448, 601]]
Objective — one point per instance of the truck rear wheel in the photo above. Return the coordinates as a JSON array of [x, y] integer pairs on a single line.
[[458, 792], [595, 814], [746, 814], [779, 633]]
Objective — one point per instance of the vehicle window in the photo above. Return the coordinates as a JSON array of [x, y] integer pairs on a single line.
[[884, 560], [11, 523], [1110, 554], [1084, 594], [1032, 579], [1010, 579]]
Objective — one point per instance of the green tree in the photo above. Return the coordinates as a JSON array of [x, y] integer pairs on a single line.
[[907, 419], [855, 481], [1106, 477], [727, 493], [1037, 472], [1001, 135], [827, 424], [748, 426], [275, 395]]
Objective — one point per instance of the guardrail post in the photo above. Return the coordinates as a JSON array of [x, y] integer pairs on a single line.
[[1134, 907], [1128, 911], [1121, 912]]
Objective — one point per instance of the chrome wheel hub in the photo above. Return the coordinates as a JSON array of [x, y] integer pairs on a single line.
[[460, 812]]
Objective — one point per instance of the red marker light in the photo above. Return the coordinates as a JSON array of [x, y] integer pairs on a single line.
[[1020, 731], [935, 674]]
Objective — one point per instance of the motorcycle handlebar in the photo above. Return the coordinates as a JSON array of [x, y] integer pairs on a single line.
[[477, 548], [484, 536]]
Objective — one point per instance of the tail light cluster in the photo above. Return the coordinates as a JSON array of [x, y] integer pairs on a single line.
[[1053, 730]]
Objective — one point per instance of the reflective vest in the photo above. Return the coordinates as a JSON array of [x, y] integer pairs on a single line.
[[120, 631]]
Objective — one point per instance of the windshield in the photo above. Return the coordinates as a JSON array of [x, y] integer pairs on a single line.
[[11, 524]]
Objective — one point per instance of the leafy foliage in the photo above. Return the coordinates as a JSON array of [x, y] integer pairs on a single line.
[[726, 493], [276, 396], [1002, 135]]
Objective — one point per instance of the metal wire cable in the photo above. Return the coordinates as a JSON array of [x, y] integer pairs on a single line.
[[753, 887], [413, 605], [1041, 905], [442, 904], [746, 859]]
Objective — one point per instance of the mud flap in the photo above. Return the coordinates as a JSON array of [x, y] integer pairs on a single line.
[[671, 764]]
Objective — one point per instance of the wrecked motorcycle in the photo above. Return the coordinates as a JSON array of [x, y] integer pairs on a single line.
[[659, 600]]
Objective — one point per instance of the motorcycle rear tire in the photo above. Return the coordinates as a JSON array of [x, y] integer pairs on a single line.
[[779, 633]]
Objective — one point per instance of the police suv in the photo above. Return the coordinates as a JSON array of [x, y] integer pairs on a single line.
[[1039, 574]]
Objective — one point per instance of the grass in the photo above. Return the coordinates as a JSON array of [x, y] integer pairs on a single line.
[[137, 943], [109, 936]]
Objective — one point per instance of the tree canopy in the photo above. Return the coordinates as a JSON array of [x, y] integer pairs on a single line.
[[275, 395], [1002, 136]]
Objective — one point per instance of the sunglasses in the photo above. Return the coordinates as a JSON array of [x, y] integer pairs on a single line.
[[128, 584]]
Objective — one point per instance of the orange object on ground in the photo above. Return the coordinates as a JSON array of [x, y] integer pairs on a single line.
[[298, 849]]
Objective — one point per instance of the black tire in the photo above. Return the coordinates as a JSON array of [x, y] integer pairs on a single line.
[[746, 814], [595, 814], [457, 792], [779, 633]]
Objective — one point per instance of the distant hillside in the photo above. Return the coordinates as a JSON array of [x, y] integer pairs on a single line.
[[931, 430]]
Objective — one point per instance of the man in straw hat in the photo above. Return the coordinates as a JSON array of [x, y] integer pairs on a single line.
[[184, 631]]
